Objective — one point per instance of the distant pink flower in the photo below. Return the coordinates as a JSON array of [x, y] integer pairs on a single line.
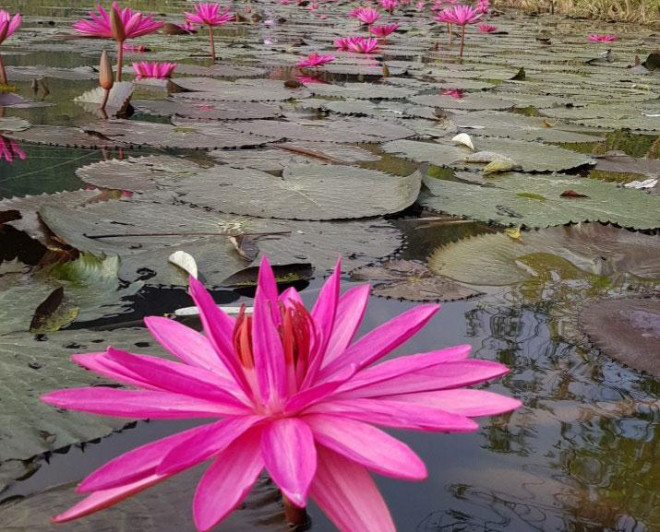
[[483, 6], [209, 14], [454, 93], [286, 390], [8, 24], [315, 60], [10, 149], [602, 38], [188, 26], [461, 16], [384, 31], [146, 70], [357, 44], [285, 2], [421, 5], [313, 6], [487, 28], [134, 48], [135, 23], [367, 15], [389, 5], [439, 5]]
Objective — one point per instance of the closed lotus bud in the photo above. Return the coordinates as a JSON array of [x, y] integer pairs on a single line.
[[106, 79], [117, 26]]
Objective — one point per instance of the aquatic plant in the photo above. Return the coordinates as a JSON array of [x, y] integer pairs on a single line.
[[366, 15], [8, 25], [315, 60], [209, 14], [293, 393], [10, 149], [461, 16], [146, 69], [384, 31], [487, 28], [483, 6], [389, 5], [454, 93], [120, 24], [602, 38], [357, 44]]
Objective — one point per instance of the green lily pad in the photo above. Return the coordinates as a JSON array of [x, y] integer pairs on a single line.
[[71, 137], [360, 91], [12, 123], [263, 90], [208, 110]]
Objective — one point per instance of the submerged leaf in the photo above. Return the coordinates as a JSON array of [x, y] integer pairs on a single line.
[[55, 312]]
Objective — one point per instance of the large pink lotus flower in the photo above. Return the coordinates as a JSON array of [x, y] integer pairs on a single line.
[[154, 70], [367, 15], [209, 14], [8, 24], [10, 149], [602, 38], [291, 392], [389, 5], [487, 28], [315, 60], [384, 31], [461, 16], [127, 25]]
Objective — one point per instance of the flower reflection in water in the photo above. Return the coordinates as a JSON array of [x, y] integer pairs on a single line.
[[10, 150]]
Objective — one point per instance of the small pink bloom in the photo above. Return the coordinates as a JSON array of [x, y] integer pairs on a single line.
[[285, 2], [134, 48], [209, 14], [8, 24], [459, 15], [454, 93], [389, 5], [367, 15], [135, 23], [10, 149], [439, 5], [285, 390], [384, 31], [315, 60], [421, 5], [361, 45], [483, 6], [487, 28], [602, 38], [146, 70], [313, 6], [188, 26]]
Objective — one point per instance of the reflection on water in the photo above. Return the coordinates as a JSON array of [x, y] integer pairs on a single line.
[[10, 150]]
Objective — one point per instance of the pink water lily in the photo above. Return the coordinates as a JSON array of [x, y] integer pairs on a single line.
[[421, 5], [487, 28], [366, 15], [483, 6], [154, 70], [10, 150], [135, 48], [457, 94], [8, 25], [315, 60], [292, 392], [357, 44], [384, 31], [461, 16], [602, 38], [210, 14], [389, 5], [120, 24]]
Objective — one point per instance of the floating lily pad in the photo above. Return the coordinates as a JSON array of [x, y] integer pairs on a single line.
[[71, 137], [118, 100], [32, 367], [469, 103], [411, 280], [221, 71], [263, 90], [517, 199], [211, 136], [598, 250], [530, 156], [352, 131], [28, 73], [625, 329], [136, 174], [279, 156], [208, 110], [145, 234], [304, 192], [12, 123], [361, 91]]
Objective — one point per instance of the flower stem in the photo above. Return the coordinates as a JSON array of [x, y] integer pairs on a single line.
[[120, 58], [295, 517], [462, 41], [3, 73], [106, 96], [212, 43], [451, 33]]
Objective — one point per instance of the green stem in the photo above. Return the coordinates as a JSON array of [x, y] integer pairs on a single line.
[[212, 43], [120, 58], [462, 41], [451, 33]]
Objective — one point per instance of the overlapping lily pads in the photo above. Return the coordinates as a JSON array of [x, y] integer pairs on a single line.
[[207, 111]]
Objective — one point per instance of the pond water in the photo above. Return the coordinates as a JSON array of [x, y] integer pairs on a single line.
[[516, 280]]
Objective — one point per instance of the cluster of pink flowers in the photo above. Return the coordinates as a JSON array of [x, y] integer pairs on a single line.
[[9, 150], [135, 24], [357, 44], [315, 60], [602, 38], [8, 24], [384, 31], [153, 70], [286, 390]]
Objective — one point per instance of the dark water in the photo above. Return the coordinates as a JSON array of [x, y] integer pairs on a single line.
[[580, 455]]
